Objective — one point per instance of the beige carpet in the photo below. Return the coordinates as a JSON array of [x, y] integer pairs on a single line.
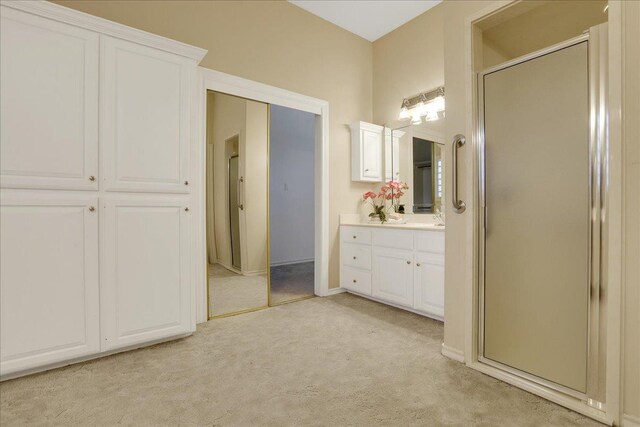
[[230, 292], [334, 361]]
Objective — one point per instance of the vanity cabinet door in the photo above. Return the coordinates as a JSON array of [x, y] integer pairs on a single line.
[[144, 265], [429, 284], [48, 279], [144, 118], [366, 152], [49, 97], [393, 275]]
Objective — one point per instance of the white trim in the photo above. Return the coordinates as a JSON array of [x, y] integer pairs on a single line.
[[452, 353], [294, 262], [630, 421], [336, 291], [232, 85], [103, 26], [401, 307]]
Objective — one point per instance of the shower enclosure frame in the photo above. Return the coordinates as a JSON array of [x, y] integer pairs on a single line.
[[599, 389]]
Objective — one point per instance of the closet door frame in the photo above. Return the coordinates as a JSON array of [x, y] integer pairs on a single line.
[[237, 86]]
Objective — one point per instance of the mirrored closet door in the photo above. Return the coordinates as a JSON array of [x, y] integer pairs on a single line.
[[260, 204], [237, 177]]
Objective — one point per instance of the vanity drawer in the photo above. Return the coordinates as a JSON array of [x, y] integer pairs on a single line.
[[355, 280], [397, 239], [430, 241], [355, 255], [355, 235]]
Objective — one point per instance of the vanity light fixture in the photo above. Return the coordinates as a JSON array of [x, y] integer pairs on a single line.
[[429, 105]]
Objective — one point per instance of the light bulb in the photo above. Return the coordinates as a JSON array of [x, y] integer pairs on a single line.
[[438, 103], [404, 114], [431, 116], [416, 120]]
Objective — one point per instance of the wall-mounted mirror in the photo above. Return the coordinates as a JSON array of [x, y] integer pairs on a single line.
[[414, 153]]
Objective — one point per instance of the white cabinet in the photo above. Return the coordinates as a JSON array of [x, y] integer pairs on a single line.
[[366, 152], [145, 292], [392, 278], [392, 154], [144, 118], [402, 267], [49, 278], [49, 111], [429, 283], [106, 109]]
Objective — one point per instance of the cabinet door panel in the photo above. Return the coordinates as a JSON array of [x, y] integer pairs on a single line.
[[393, 275], [48, 279], [371, 154], [145, 276], [429, 284], [355, 280], [144, 118], [49, 103]]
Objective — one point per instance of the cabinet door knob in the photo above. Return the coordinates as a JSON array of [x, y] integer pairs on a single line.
[[186, 209], [91, 209], [354, 257], [92, 178], [418, 264], [354, 237], [408, 262], [186, 183], [354, 280]]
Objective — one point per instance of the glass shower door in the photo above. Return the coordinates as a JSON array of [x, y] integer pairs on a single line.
[[537, 217]]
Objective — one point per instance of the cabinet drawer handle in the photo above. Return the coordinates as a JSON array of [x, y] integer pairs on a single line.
[[408, 262], [354, 237], [354, 257], [355, 281], [418, 264], [91, 209], [186, 209], [186, 183], [92, 178]]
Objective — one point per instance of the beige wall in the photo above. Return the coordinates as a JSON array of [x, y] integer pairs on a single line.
[[276, 43], [407, 61], [631, 226]]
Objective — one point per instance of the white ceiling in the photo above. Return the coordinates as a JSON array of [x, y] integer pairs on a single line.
[[368, 19]]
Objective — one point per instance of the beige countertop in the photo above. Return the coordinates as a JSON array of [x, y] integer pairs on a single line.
[[407, 226]]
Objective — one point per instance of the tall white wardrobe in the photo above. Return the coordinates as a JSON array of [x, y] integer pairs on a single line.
[[94, 227]]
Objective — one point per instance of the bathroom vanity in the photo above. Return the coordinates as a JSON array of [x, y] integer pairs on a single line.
[[397, 264]]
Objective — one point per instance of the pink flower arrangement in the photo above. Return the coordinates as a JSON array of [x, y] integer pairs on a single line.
[[391, 191]]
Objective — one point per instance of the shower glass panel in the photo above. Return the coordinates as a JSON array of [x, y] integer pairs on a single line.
[[537, 217]]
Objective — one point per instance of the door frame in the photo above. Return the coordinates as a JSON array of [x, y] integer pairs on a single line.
[[610, 413], [226, 83]]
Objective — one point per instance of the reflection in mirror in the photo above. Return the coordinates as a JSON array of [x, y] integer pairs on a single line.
[[237, 144], [415, 154], [292, 144]]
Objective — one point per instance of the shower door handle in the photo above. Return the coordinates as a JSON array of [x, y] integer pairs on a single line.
[[458, 205], [241, 193]]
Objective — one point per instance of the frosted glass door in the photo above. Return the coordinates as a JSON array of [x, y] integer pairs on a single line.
[[536, 283]]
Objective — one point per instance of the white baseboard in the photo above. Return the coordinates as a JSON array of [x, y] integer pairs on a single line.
[[630, 421], [452, 353], [297, 261], [335, 291]]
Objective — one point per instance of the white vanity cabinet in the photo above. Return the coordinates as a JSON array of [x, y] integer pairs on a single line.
[[400, 266], [366, 152], [392, 154], [95, 142]]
